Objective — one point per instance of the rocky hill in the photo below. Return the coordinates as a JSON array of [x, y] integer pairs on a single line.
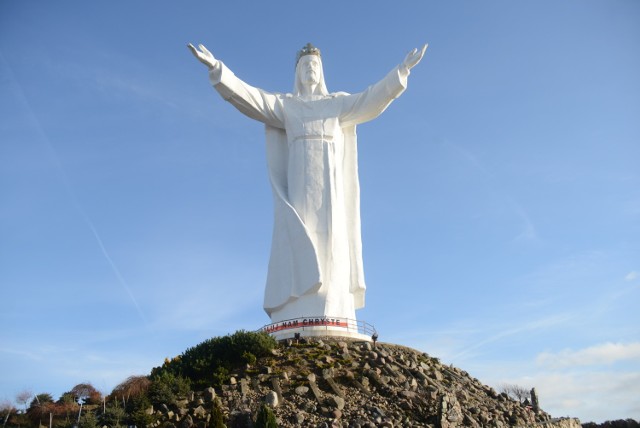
[[327, 382]]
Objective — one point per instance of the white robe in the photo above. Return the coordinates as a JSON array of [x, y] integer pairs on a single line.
[[315, 268]]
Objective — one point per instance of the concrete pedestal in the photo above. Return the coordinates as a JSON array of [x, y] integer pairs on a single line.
[[321, 326]]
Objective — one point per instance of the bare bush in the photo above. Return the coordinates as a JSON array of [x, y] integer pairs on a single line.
[[24, 397], [133, 386], [516, 392]]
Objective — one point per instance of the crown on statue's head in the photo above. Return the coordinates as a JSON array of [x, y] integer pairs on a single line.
[[309, 49]]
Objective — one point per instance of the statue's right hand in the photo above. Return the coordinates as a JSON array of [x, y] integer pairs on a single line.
[[203, 55]]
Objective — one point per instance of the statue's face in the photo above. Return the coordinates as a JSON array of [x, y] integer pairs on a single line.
[[309, 68]]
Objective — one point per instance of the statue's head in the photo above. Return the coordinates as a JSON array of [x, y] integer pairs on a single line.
[[309, 70]]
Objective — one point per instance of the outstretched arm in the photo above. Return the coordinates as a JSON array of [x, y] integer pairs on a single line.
[[253, 102], [203, 55], [367, 105]]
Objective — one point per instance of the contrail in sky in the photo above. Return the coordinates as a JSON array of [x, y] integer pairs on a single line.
[[54, 156], [529, 231], [115, 269]]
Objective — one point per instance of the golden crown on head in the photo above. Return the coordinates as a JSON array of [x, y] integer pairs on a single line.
[[309, 49]]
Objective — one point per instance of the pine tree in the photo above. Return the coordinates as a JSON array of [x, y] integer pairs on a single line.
[[217, 420]]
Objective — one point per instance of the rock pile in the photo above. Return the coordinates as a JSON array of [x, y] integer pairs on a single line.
[[338, 383]]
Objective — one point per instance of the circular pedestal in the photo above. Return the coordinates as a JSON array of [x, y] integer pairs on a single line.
[[321, 326]]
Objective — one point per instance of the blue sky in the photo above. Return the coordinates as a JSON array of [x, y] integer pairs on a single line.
[[500, 193]]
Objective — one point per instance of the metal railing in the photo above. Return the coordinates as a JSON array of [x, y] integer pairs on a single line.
[[320, 322]]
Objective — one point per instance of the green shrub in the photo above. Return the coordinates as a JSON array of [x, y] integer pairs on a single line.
[[113, 416], [204, 364], [220, 376], [140, 418], [88, 420], [249, 358], [266, 418], [166, 387], [217, 420], [137, 411]]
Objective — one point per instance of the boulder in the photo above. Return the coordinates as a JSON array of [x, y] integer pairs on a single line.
[[209, 394], [199, 412], [336, 402], [271, 399], [302, 390], [187, 422]]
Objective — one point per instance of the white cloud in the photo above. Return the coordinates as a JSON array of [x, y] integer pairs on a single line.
[[606, 353], [631, 276], [592, 396], [597, 395]]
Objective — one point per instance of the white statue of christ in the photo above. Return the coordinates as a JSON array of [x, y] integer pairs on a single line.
[[315, 267]]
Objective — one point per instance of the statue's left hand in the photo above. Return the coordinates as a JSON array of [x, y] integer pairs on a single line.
[[203, 55], [414, 57]]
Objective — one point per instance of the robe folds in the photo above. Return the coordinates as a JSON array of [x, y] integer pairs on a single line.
[[315, 266]]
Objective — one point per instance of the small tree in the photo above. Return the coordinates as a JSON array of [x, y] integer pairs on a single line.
[[217, 420], [165, 387], [113, 415], [266, 418], [40, 400], [23, 398], [66, 406], [6, 408], [85, 393], [41, 405], [516, 392], [137, 411], [88, 420]]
